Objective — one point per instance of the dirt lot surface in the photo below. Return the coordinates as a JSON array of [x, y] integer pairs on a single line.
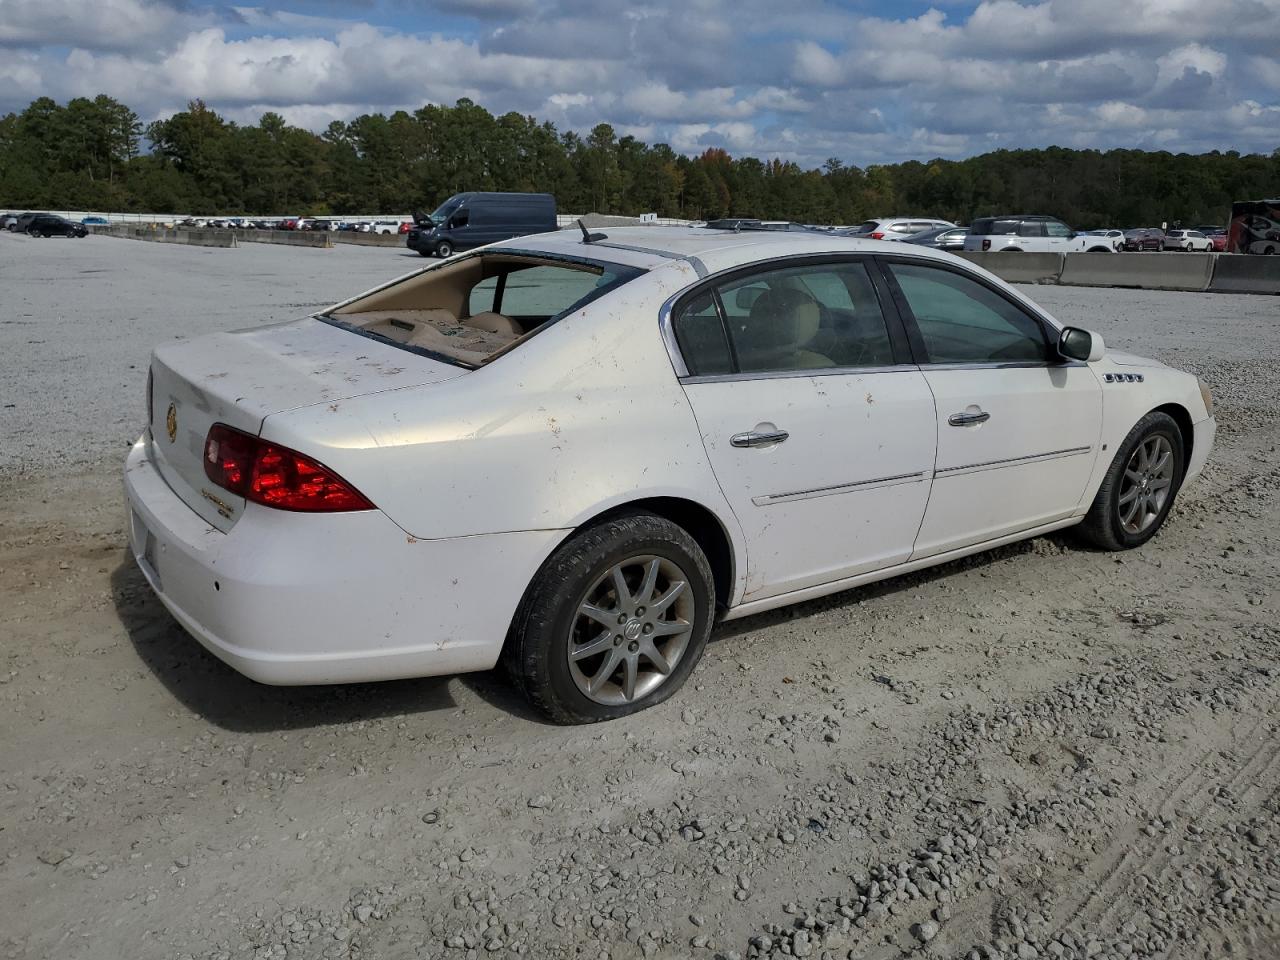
[[1043, 751]]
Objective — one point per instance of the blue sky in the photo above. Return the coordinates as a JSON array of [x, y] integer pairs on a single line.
[[864, 80]]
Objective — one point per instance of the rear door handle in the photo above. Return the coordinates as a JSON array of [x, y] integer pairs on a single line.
[[965, 419], [753, 439]]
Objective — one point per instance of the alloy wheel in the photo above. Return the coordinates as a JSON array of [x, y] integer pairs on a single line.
[[1146, 484], [631, 629]]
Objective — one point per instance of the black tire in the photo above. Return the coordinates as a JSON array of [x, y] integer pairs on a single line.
[[536, 654], [444, 249], [1102, 526]]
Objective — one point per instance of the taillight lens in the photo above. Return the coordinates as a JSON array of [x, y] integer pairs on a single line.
[[275, 476], [876, 235]]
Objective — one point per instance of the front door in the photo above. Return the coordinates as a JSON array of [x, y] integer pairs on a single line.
[[820, 435], [1018, 430]]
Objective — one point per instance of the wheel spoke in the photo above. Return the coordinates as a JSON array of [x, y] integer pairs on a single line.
[[598, 645], [670, 597], [1127, 517], [654, 656], [1161, 462], [667, 628], [650, 582], [630, 667], [1128, 497], [606, 670], [1160, 483], [620, 585], [605, 618], [1133, 476]]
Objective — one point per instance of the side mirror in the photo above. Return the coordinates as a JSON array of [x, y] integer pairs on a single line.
[[1078, 344]]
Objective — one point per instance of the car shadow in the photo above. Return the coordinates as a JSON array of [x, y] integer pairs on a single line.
[[218, 694], [889, 587]]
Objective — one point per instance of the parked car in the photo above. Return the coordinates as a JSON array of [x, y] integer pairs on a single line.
[[948, 238], [23, 221], [1187, 240], [896, 228], [1143, 239], [1114, 239], [1030, 233], [808, 414], [1219, 240], [95, 221], [469, 220], [48, 225], [8, 220], [385, 226]]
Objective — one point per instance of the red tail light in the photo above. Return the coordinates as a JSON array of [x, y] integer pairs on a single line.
[[275, 476], [986, 244], [876, 235]]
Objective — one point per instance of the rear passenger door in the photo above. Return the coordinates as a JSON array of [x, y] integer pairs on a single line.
[[1018, 428], [820, 430]]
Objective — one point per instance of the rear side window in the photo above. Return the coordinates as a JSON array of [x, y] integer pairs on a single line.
[[810, 317], [963, 321], [987, 226], [1031, 228]]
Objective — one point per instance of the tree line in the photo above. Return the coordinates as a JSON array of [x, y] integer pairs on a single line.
[[97, 155]]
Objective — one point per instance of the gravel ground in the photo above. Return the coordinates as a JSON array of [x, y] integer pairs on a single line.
[[1043, 751]]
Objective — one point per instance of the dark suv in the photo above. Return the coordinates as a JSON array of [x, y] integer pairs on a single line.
[[47, 225]]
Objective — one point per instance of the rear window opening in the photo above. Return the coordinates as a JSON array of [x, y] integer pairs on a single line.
[[470, 310]]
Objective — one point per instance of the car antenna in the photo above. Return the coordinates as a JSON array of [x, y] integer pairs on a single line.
[[589, 237]]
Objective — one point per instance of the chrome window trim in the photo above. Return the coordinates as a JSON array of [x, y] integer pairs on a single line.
[[767, 499], [1009, 461], [798, 374], [1002, 365]]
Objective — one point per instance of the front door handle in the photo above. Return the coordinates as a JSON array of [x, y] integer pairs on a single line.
[[965, 419], [753, 439]]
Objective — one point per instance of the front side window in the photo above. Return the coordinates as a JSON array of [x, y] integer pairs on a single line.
[[963, 321], [811, 317], [1055, 228]]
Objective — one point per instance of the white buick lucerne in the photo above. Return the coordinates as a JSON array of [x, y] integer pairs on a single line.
[[574, 452]]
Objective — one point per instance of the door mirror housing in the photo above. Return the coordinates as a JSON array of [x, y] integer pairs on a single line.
[[1076, 343]]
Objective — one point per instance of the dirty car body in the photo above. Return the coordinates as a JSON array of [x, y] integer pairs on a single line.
[[582, 451]]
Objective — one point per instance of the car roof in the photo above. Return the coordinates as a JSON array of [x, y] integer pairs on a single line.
[[652, 247]]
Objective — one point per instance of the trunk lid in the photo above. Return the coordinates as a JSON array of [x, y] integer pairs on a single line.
[[241, 377]]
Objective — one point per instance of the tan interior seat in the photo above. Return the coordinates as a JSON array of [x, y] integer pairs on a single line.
[[780, 333], [495, 323]]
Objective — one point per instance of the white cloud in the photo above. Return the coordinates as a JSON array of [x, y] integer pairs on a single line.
[[805, 80]]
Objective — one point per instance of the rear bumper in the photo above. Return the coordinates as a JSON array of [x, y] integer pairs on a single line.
[[288, 598]]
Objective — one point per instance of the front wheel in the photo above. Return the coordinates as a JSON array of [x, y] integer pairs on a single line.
[[444, 250], [614, 622], [1138, 491]]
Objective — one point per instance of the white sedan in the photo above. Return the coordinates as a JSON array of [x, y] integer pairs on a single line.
[[574, 453]]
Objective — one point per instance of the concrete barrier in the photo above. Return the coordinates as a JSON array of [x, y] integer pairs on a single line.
[[366, 239], [1239, 273], [195, 238], [292, 238], [1144, 271], [1019, 267]]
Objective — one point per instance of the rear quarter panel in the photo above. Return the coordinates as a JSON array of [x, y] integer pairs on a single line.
[[584, 416]]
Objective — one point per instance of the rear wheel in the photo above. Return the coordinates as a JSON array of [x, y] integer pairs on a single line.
[[1139, 489], [614, 622], [444, 250]]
